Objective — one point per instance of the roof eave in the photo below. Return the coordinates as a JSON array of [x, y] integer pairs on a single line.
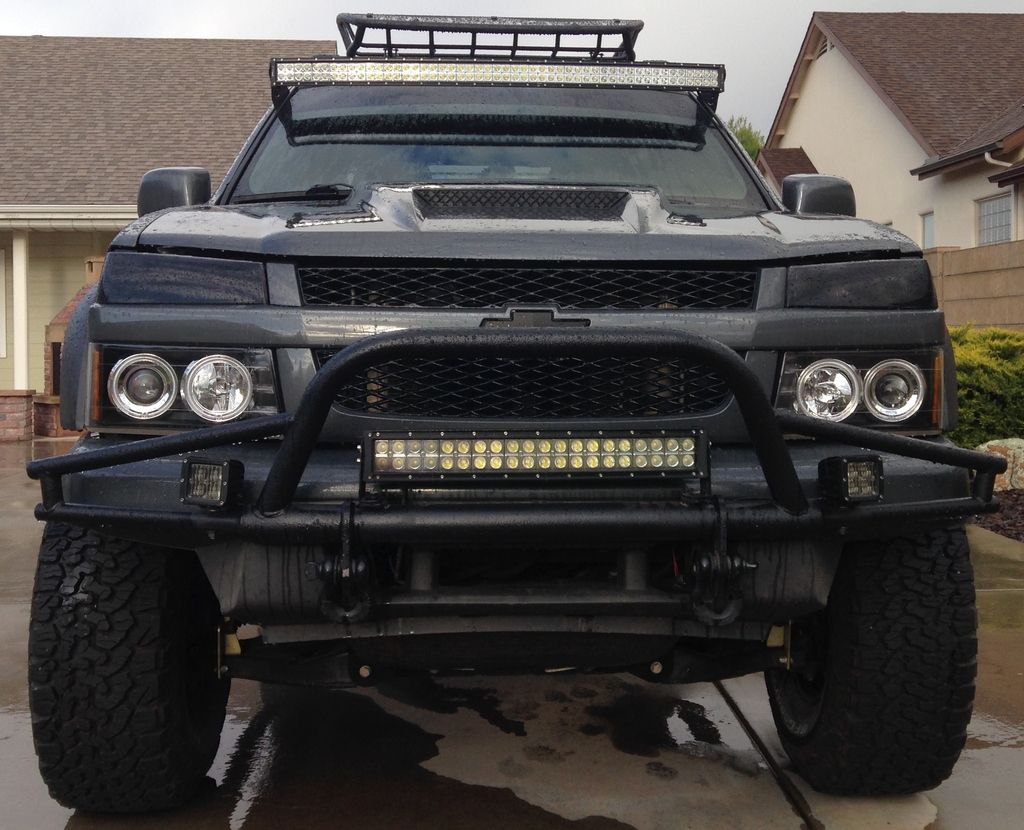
[[66, 217], [793, 74], [951, 162], [1008, 176]]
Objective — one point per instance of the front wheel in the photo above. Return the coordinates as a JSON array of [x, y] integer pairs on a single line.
[[881, 703], [126, 704]]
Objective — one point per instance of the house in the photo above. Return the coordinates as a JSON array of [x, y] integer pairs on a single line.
[[923, 113], [84, 118]]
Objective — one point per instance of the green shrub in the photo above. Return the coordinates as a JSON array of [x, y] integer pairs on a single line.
[[990, 375]]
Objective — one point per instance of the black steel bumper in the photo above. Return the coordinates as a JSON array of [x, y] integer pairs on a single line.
[[278, 515]]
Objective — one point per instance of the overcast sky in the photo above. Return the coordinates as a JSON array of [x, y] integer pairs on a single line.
[[757, 40]]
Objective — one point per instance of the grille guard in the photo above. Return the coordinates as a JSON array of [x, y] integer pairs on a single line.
[[274, 516]]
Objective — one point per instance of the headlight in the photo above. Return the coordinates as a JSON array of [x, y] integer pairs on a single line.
[[894, 390], [885, 389], [217, 387], [828, 389], [162, 388], [142, 386]]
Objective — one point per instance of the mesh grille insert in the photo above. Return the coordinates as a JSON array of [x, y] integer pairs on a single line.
[[536, 388], [471, 285]]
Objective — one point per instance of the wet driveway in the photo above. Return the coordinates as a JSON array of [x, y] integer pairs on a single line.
[[585, 752]]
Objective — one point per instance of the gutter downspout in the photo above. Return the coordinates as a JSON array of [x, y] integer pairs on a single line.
[[996, 162]]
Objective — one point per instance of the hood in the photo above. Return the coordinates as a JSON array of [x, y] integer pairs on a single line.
[[492, 223]]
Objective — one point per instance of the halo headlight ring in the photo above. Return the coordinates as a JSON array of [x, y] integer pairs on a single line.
[[118, 389], [838, 390], [910, 374], [217, 388]]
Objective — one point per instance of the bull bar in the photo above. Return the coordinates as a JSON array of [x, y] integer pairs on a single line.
[[274, 516]]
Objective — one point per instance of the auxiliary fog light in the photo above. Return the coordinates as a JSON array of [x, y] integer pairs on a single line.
[[142, 386], [537, 455], [217, 387], [851, 480], [828, 389], [209, 483]]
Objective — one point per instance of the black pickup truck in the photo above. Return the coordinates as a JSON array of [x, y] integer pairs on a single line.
[[494, 352]]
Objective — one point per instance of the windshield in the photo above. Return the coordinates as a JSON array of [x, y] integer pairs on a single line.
[[354, 137]]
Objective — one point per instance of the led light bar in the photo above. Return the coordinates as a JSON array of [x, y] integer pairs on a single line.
[[559, 73], [536, 455]]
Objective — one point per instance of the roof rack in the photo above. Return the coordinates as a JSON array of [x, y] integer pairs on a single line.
[[393, 40]]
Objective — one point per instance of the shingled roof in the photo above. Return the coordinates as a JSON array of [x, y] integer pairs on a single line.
[[84, 118], [954, 80], [780, 162]]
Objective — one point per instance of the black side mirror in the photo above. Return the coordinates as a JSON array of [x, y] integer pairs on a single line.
[[808, 193], [168, 187]]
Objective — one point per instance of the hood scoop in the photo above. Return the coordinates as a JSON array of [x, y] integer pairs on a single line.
[[585, 204]]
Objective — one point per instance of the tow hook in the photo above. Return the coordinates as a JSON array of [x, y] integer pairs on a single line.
[[715, 575], [346, 576]]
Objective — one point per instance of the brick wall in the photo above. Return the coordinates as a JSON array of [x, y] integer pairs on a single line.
[[16, 415]]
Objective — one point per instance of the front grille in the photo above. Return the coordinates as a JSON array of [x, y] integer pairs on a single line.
[[538, 388], [486, 285], [520, 203]]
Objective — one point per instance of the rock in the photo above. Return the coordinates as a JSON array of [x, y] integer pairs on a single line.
[[1012, 449]]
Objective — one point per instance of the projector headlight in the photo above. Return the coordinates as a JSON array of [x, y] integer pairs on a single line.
[[828, 389], [142, 386], [894, 390], [217, 387]]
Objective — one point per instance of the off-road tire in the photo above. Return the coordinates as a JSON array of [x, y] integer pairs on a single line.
[[888, 712], [126, 706]]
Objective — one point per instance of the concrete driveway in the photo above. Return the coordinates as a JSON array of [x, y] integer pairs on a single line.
[[585, 752]]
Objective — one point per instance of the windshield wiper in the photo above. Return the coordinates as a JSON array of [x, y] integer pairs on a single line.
[[318, 192]]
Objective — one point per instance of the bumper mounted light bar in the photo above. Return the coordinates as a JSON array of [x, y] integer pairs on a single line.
[[507, 455]]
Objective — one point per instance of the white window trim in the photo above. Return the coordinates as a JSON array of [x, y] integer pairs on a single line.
[[977, 218], [3, 303], [923, 215]]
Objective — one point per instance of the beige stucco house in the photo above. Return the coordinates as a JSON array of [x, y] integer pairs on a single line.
[[84, 118], [923, 113]]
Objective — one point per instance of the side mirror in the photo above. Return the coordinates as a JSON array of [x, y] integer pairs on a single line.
[[168, 187], [808, 193]]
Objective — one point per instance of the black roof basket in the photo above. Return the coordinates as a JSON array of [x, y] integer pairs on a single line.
[[503, 37]]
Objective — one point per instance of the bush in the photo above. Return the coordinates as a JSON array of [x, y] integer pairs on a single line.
[[990, 375]]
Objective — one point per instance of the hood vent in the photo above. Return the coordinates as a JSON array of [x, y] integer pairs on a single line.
[[520, 203]]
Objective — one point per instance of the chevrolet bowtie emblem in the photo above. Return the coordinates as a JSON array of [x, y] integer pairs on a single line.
[[519, 319]]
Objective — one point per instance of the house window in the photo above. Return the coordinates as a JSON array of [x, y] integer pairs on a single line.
[[928, 230], [995, 220]]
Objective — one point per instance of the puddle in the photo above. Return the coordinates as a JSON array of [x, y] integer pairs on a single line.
[[322, 759], [643, 722], [986, 731], [426, 693]]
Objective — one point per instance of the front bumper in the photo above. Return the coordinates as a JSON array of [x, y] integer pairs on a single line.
[[314, 494]]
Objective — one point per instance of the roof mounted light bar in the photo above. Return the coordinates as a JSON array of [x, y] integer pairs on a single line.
[[503, 37], [702, 78]]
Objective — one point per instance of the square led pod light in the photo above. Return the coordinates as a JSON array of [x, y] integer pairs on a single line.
[[209, 483], [851, 480]]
